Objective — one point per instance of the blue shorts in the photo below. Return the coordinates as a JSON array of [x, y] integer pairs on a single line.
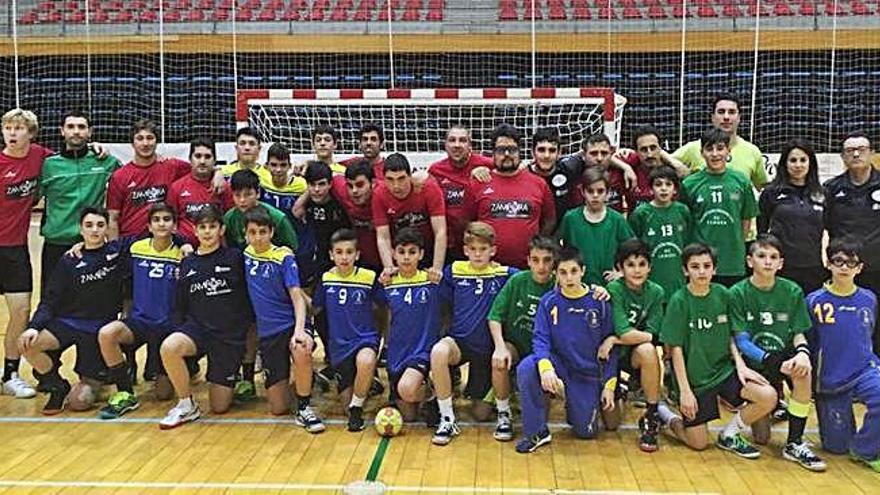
[[224, 358]]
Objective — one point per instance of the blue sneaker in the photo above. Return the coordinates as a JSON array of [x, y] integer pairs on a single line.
[[527, 445]]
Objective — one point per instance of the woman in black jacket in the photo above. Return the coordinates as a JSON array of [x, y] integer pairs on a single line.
[[792, 209]]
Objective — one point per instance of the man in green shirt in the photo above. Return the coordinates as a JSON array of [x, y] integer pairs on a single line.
[[665, 226], [245, 185], [595, 230], [723, 206], [637, 309], [70, 181], [707, 364]]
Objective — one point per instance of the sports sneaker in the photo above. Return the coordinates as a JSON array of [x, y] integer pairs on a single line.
[[738, 445], [119, 404], [649, 428], [802, 454], [244, 391], [503, 428], [18, 388], [57, 398], [183, 412], [445, 432], [307, 418], [355, 418], [531, 444], [873, 464]]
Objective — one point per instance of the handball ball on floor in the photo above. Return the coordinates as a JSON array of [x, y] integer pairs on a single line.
[[81, 397]]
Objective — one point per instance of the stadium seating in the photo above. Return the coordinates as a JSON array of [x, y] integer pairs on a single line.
[[176, 11]]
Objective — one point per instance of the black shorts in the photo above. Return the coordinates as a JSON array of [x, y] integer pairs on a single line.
[[151, 335], [479, 373], [224, 358], [89, 361], [776, 377], [275, 353], [347, 369], [707, 401], [419, 365], [15, 270]]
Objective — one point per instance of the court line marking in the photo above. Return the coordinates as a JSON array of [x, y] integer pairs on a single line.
[[279, 421], [158, 485], [378, 457]]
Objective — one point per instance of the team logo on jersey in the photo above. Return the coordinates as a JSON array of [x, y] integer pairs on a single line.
[[152, 194], [358, 296], [840, 194], [781, 195], [454, 195], [362, 223], [21, 189], [9, 175], [222, 269], [81, 264], [112, 256], [592, 318], [782, 317], [768, 341], [192, 210], [876, 196], [211, 287], [464, 283], [510, 208], [411, 219], [185, 193], [722, 319], [423, 296], [97, 275], [190, 273], [867, 317], [559, 180]]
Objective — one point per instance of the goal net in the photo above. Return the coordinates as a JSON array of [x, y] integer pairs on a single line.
[[415, 121]]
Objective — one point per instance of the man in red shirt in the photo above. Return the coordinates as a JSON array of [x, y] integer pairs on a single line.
[[645, 156], [191, 194], [515, 202], [355, 192], [142, 182], [397, 205], [453, 174], [372, 140]]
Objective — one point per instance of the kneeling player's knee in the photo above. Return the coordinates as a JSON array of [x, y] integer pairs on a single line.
[[766, 395], [440, 353], [407, 392], [366, 358]]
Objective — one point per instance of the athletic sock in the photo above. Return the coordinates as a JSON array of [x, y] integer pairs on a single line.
[[303, 401], [247, 372], [356, 401], [734, 426], [445, 406], [666, 414], [121, 377], [187, 402], [10, 366], [503, 405], [797, 420]]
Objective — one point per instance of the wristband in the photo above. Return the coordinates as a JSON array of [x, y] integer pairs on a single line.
[[611, 384], [804, 348], [545, 365]]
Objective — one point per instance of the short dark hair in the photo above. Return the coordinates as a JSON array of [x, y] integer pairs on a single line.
[[316, 171], [545, 134], [847, 245], [629, 248], [664, 172], [570, 253], [507, 131], [143, 125], [599, 137], [210, 214], [343, 235], [76, 113], [94, 210], [645, 130], [593, 175], [854, 135], [244, 179], [544, 243], [372, 127], [726, 96], [359, 167], [161, 207], [247, 131], [408, 235], [204, 142], [258, 215], [697, 249], [325, 129], [396, 162], [766, 240], [279, 152], [713, 136]]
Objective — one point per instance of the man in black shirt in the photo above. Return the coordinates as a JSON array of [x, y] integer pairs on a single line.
[[562, 177]]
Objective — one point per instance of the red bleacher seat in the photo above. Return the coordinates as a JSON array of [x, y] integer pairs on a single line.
[[731, 10], [706, 11], [650, 3], [839, 10], [362, 15], [582, 13], [220, 15], [557, 13], [754, 11], [859, 8], [627, 3], [171, 15], [316, 14], [266, 15], [243, 15], [383, 13], [434, 15], [29, 18], [607, 13], [807, 8], [195, 16], [657, 12], [70, 5], [225, 4], [206, 4], [122, 17], [183, 4], [632, 13], [54, 16], [411, 15], [339, 13], [679, 11], [249, 5], [46, 5], [531, 8], [507, 13], [148, 16], [290, 15]]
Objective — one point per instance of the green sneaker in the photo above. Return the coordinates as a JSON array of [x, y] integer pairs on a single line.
[[119, 404], [738, 445], [245, 391], [873, 464]]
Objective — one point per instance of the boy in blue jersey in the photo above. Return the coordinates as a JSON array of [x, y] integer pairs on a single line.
[[273, 286], [83, 294], [470, 288], [414, 302], [150, 268], [211, 316], [279, 187], [846, 367], [570, 325], [347, 293]]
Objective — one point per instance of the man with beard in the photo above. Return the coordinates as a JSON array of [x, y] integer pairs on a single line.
[[517, 204], [596, 151], [645, 156], [191, 194], [355, 192], [372, 140]]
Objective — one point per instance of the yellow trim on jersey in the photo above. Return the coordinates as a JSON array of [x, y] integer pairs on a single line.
[[337, 169], [359, 277], [545, 365], [611, 384], [296, 186], [231, 168], [420, 278], [144, 249], [829, 286], [463, 269], [579, 293], [274, 254]]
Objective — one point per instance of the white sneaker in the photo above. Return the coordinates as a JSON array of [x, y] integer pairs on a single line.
[[19, 388], [180, 414]]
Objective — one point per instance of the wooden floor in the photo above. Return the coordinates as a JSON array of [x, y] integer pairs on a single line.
[[247, 451]]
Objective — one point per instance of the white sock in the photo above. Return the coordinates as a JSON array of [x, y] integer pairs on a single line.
[[666, 414], [186, 402], [734, 426], [356, 401], [503, 405], [445, 406]]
